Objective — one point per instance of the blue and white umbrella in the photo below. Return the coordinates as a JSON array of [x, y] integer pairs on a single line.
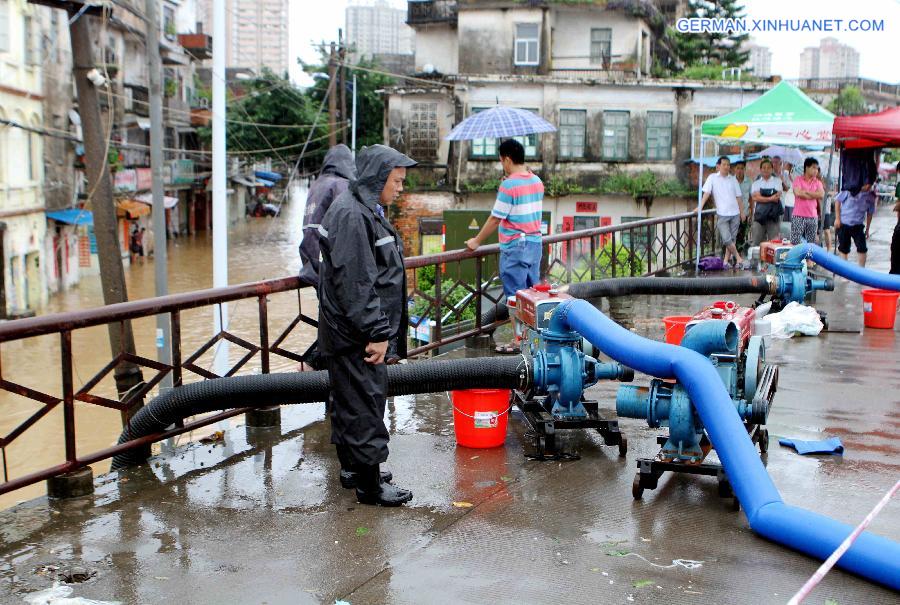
[[498, 122]]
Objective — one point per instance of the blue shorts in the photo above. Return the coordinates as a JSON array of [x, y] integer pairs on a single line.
[[520, 266]]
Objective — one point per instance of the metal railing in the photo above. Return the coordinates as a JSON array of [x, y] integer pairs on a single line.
[[838, 84], [448, 300]]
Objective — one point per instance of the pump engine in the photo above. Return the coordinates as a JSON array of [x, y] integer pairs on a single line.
[[723, 332], [561, 373]]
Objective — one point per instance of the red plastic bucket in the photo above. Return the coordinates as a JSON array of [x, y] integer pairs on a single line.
[[675, 325], [480, 416], [879, 308]]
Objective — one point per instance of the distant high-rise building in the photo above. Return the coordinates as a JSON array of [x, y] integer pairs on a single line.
[[759, 60], [257, 33], [830, 60], [375, 28]]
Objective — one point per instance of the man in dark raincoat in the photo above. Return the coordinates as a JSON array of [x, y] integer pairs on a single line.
[[362, 319], [338, 170]]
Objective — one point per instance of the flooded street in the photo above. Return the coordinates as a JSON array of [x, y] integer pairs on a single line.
[[259, 248]]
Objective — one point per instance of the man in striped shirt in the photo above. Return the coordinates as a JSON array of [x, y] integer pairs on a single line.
[[517, 214]]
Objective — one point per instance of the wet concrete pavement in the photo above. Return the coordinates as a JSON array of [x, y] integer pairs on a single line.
[[261, 517]]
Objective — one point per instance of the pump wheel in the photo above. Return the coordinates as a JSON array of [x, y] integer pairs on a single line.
[[623, 446], [637, 490], [764, 441]]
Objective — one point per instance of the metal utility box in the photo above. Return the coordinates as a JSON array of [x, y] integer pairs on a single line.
[[460, 225]]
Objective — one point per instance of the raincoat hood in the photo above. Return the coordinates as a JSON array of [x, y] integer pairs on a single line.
[[339, 161], [373, 165]]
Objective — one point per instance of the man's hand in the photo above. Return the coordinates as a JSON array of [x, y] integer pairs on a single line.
[[867, 233], [743, 217], [472, 244], [837, 223], [376, 351]]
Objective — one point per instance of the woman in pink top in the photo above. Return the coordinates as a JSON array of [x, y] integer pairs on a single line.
[[808, 194]]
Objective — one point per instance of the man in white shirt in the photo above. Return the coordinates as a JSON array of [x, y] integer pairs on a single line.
[[727, 195], [739, 172]]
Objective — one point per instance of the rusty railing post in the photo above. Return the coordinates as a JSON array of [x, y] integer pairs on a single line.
[[264, 333], [439, 306]]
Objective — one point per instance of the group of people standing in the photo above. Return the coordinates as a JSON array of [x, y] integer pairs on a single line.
[[778, 195], [354, 257]]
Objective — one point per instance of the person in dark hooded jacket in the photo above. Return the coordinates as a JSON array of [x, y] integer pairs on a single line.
[[362, 319], [338, 170]]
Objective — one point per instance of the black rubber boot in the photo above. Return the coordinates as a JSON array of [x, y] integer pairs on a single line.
[[370, 489], [348, 475]]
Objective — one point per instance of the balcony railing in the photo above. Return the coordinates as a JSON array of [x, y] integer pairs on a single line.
[[431, 11], [450, 307], [837, 84]]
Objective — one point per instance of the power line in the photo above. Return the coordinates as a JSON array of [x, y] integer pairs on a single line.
[[61, 134]]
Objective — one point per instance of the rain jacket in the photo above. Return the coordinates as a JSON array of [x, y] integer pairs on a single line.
[[362, 285], [338, 170]]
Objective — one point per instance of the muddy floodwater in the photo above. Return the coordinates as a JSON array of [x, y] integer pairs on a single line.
[[259, 248]]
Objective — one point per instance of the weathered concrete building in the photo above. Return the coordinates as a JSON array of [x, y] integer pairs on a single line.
[[23, 283], [584, 67]]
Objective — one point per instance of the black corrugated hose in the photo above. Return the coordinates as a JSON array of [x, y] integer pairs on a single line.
[[261, 390], [625, 286]]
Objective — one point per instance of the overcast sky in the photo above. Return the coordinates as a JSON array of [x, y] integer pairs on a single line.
[[315, 20]]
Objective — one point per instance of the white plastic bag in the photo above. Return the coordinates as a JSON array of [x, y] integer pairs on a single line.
[[795, 319], [59, 595]]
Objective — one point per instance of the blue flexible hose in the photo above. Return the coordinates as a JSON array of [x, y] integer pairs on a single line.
[[871, 556], [835, 264]]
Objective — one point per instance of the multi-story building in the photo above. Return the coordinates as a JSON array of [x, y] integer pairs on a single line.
[[759, 61], [830, 59], [63, 183], [375, 28], [582, 67], [22, 205], [878, 96], [257, 33]]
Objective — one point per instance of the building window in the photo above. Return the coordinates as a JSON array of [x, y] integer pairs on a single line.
[[4, 25], [169, 23], [423, 131], [29, 52], [601, 46], [487, 148], [527, 39], [571, 133], [711, 147], [659, 135], [615, 135]]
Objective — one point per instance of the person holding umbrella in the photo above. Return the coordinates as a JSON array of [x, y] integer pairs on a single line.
[[517, 210], [517, 215]]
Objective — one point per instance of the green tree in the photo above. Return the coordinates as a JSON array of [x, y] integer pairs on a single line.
[[849, 102], [711, 48], [269, 112], [369, 102]]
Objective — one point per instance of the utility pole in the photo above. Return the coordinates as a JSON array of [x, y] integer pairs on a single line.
[[343, 82], [332, 99], [219, 168], [112, 275], [160, 262], [353, 128]]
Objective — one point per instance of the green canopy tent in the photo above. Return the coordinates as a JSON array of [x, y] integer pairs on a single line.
[[782, 116]]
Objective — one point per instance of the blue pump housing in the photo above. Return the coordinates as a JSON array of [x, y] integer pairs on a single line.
[[562, 371], [667, 404]]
